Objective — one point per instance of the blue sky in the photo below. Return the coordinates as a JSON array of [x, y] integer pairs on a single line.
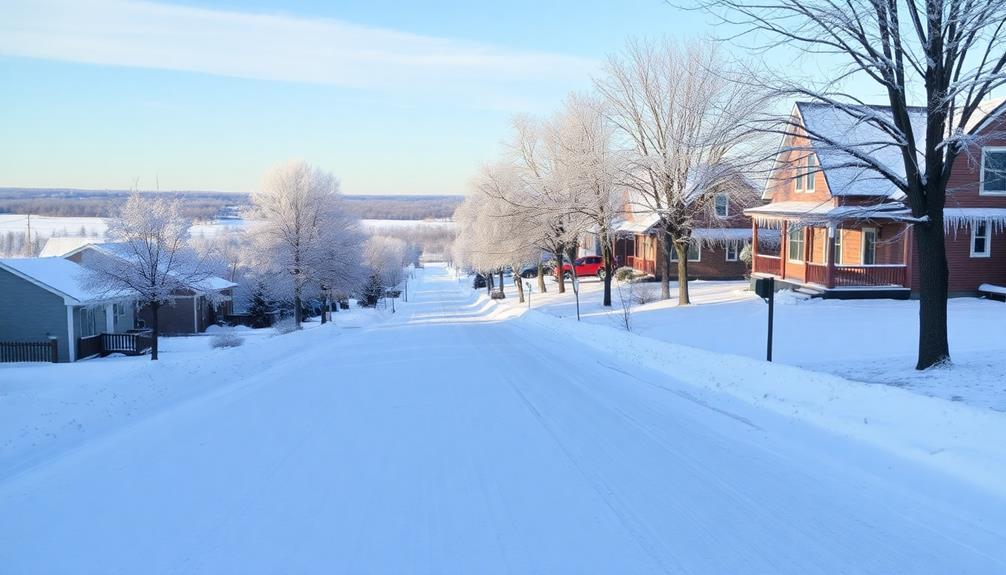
[[393, 97]]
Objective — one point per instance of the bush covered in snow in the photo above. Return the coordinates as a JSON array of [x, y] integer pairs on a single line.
[[223, 340], [645, 293], [625, 273], [285, 325]]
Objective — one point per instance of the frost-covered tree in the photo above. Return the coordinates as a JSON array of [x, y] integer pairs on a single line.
[[387, 258], [591, 170], [152, 259], [297, 208], [947, 56], [680, 115]]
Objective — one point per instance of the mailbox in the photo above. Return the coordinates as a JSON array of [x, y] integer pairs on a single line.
[[764, 287]]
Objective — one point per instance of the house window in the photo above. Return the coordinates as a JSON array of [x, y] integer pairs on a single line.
[[694, 253], [722, 205], [799, 175], [993, 171], [811, 171], [980, 247], [732, 251], [795, 247], [118, 314], [869, 246], [838, 246]]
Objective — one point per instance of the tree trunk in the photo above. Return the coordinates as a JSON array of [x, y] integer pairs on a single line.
[[541, 277], [666, 245], [324, 310], [298, 313], [155, 307], [517, 281], [559, 275], [609, 268], [502, 283], [930, 243], [682, 251]]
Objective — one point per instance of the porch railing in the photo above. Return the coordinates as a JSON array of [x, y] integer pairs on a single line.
[[869, 276], [817, 274], [766, 264], [107, 343], [29, 351]]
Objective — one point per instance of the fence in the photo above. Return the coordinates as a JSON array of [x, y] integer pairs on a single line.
[[33, 351], [106, 343]]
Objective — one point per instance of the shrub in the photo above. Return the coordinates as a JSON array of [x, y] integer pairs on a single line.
[[644, 294], [625, 273], [222, 340], [285, 325]]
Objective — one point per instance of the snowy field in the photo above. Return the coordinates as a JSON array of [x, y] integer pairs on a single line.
[[45, 226], [463, 436], [872, 341]]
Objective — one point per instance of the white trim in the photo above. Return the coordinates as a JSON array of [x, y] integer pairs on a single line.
[[981, 173], [838, 247], [109, 318], [71, 345], [862, 246], [726, 250], [195, 314], [988, 241]]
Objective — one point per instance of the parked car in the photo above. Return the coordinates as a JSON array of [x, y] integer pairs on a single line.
[[529, 271], [479, 281], [585, 266]]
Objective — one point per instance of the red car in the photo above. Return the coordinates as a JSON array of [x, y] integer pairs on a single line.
[[585, 266]]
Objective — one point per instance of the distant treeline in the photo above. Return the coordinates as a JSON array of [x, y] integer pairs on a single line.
[[205, 206], [403, 207], [198, 206]]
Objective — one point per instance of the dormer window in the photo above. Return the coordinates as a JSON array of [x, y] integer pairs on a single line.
[[721, 203], [993, 171]]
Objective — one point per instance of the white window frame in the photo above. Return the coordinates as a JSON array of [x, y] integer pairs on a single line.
[[799, 176], [809, 185], [981, 186], [735, 247], [726, 205], [988, 241], [862, 250], [698, 251], [838, 246], [789, 244]]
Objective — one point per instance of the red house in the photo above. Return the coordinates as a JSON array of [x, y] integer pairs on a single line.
[[846, 231], [715, 250]]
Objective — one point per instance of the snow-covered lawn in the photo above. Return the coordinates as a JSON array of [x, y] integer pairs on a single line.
[[464, 436], [872, 341]]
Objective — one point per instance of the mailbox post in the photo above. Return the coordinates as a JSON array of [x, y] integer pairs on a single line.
[[765, 288]]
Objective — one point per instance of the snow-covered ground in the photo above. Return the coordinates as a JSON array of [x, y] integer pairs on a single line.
[[48, 226], [872, 341], [463, 436]]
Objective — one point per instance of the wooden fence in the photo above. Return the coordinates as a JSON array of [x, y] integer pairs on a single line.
[[33, 351], [106, 343]]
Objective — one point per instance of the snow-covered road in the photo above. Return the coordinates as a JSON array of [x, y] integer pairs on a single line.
[[453, 441]]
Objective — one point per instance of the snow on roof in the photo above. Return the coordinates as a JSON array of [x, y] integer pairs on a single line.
[[825, 212], [56, 274], [844, 176], [61, 246], [722, 234], [121, 250], [640, 224]]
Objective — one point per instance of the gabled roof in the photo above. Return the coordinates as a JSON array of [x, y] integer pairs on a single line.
[[57, 275], [59, 247], [121, 250], [850, 129]]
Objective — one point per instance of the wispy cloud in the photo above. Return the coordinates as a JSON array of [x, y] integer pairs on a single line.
[[276, 47]]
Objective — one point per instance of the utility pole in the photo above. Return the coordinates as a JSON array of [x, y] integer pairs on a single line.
[[28, 250]]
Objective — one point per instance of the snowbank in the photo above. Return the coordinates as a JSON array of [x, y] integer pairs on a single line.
[[955, 438]]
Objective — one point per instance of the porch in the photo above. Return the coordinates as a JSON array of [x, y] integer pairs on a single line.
[[844, 259], [134, 342]]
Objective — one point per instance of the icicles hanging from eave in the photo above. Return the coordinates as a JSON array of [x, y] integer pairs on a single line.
[[958, 219], [772, 223]]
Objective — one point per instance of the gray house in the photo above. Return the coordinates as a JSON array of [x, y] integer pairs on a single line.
[[187, 311], [43, 298]]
